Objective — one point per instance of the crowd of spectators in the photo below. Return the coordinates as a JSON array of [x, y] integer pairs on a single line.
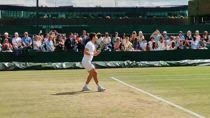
[[54, 41]]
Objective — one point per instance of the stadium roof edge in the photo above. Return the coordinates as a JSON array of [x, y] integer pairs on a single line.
[[162, 6]]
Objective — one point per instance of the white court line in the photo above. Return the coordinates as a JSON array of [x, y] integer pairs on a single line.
[[160, 99]]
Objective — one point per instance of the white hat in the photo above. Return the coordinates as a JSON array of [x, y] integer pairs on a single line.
[[164, 32]]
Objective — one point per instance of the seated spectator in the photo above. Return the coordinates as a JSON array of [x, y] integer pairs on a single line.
[[195, 43], [17, 42], [7, 46], [127, 44], [154, 47], [84, 37], [69, 42], [37, 43], [117, 45], [156, 35], [79, 44], [181, 45], [165, 36], [6, 36], [143, 45], [99, 41], [114, 39], [161, 44], [141, 41], [177, 40], [172, 46], [187, 44], [151, 43], [202, 45], [59, 44], [27, 41], [130, 47], [48, 45], [181, 35], [197, 35], [107, 42], [134, 40], [206, 36], [141, 36], [0, 47], [189, 35]]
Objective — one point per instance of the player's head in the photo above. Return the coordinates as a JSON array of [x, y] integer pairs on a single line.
[[93, 36]]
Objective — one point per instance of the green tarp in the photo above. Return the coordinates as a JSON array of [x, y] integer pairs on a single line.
[[7, 66]]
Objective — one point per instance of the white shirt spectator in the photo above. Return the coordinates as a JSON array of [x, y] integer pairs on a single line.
[[16, 42], [107, 40], [195, 44], [161, 45]]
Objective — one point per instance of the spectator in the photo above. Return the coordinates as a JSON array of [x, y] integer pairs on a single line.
[[142, 42], [161, 44], [202, 45], [156, 35], [197, 35], [195, 43], [134, 40], [37, 43], [59, 44], [141, 36], [114, 39], [151, 43], [84, 37], [70, 42], [117, 45], [206, 36], [181, 45], [143, 45], [189, 35], [1, 39], [17, 42], [107, 42], [165, 36], [172, 46], [79, 46], [155, 46], [48, 45], [0, 47], [181, 35], [127, 44], [99, 42], [27, 41], [6, 46], [6, 36]]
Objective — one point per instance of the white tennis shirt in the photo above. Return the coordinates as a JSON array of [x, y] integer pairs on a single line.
[[91, 47]]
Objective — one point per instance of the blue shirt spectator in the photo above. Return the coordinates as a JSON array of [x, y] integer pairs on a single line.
[[27, 41]]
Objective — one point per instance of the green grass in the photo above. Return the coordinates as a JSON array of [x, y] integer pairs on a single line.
[[186, 86], [56, 93]]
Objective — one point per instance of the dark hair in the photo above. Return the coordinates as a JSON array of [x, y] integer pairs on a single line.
[[92, 35]]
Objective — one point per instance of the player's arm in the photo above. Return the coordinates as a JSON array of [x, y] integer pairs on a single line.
[[86, 52], [96, 53]]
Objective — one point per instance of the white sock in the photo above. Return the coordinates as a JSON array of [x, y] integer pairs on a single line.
[[86, 85]]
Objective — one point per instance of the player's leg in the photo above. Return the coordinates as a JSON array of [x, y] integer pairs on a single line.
[[95, 77], [89, 78], [87, 66], [86, 88]]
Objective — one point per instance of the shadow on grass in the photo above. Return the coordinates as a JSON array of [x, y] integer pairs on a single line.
[[73, 93]]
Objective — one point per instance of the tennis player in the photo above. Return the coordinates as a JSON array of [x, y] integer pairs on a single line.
[[89, 53]]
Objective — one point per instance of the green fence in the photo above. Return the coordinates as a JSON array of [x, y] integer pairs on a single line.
[[41, 57], [71, 60]]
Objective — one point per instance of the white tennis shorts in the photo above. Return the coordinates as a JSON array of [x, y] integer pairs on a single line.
[[88, 65]]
